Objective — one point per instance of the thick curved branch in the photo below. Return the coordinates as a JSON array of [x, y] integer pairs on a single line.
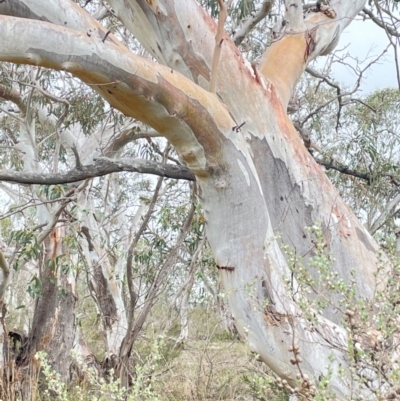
[[59, 12], [102, 166], [178, 33], [316, 34], [188, 116]]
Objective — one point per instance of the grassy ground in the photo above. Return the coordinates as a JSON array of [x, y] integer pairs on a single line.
[[212, 365]]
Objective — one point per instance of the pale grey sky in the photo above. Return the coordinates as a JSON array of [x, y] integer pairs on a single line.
[[365, 41]]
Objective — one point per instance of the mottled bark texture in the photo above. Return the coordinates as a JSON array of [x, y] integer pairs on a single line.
[[255, 175], [53, 325]]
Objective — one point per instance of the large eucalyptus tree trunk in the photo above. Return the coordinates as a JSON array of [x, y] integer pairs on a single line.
[[256, 177]]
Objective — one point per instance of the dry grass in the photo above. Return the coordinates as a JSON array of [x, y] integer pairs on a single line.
[[211, 365]]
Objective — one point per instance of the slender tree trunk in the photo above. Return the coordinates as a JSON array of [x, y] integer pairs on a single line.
[[102, 279], [181, 298], [53, 325]]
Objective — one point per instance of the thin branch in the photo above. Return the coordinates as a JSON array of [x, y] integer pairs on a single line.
[[129, 262], [340, 95], [392, 43], [20, 120], [54, 220], [131, 249], [253, 21], [13, 96], [356, 100], [158, 150], [157, 286], [219, 38], [78, 164], [326, 79], [102, 166], [380, 23], [332, 164], [6, 275]]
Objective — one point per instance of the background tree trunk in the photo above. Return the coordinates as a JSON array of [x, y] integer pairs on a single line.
[[53, 325]]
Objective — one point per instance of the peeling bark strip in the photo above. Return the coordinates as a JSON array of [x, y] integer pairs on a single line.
[[256, 180]]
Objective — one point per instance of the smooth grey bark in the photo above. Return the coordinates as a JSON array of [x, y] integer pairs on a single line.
[[5, 279]]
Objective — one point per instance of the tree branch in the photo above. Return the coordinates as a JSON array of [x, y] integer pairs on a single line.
[[13, 96], [59, 12], [6, 275], [187, 115], [102, 166], [316, 34], [248, 25], [331, 164], [219, 38], [380, 23]]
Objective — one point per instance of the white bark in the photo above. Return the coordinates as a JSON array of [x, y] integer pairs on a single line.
[[5, 279], [389, 210], [180, 300], [255, 180], [103, 280]]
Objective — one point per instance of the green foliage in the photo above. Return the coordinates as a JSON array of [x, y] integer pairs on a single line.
[[362, 136], [239, 10], [97, 388], [34, 288], [261, 387], [371, 324], [26, 244], [88, 109]]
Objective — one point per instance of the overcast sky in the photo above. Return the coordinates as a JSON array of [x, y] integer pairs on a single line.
[[365, 41]]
